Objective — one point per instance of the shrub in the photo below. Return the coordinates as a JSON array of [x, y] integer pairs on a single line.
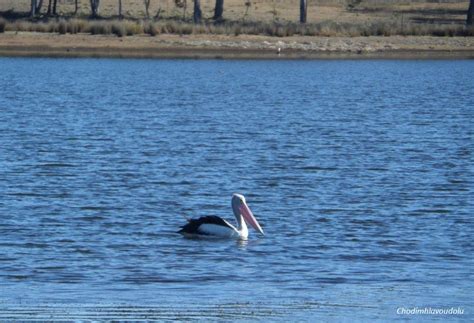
[[199, 29], [469, 31], [277, 29], [19, 26], [151, 29], [237, 30], [218, 30], [171, 27], [118, 29], [62, 27], [186, 29], [43, 27], [132, 28], [3, 24], [75, 26], [100, 28]]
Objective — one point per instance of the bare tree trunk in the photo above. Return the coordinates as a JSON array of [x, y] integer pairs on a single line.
[[120, 9], [76, 7], [38, 6], [33, 8], [470, 13], [49, 7], [147, 8], [197, 12], [185, 8], [303, 11], [218, 10], [157, 16], [55, 4], [95, 8]]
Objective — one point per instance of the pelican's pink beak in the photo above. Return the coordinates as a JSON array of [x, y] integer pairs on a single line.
[[249, 218]]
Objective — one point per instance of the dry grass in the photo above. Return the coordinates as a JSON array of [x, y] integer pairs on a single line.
[[264, 17], [123, 28], [341, 11]]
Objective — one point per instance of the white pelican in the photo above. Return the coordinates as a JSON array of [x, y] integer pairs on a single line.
[[214, 226]]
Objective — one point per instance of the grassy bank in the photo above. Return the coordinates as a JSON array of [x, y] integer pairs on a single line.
[[126, 27], [341, 11], [279, 18], [211, 46]]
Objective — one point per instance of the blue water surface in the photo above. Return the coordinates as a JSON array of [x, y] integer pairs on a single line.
[[360, 173]]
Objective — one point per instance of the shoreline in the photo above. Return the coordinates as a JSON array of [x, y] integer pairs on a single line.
[[31, 44]]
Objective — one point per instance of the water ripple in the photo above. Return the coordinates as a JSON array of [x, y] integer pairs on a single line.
[[360, 173]]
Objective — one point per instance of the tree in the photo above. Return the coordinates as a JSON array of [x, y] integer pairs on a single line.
[[76, 6], [120, 8], [95, 8], [197, 11], [35, 7], [470, 13], [52, 5], [147, 8], [218, 10], [55, 4], [303, 11]]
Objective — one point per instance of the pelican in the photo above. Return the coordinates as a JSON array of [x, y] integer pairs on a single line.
[[214, 226]]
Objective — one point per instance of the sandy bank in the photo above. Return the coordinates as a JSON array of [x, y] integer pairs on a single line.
[[234, 47]]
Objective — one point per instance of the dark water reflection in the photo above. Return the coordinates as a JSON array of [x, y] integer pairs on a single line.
[[360, 173]]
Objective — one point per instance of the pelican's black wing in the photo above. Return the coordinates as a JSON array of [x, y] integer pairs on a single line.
[[192, 227]]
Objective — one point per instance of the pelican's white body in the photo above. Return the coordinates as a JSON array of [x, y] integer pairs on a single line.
[[219, 231]]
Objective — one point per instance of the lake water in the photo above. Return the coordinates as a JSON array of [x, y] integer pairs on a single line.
[[360, 173]]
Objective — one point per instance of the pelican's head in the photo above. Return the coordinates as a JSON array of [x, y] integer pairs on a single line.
[[240, 207]]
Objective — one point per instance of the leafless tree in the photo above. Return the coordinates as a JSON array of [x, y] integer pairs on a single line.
[[52, 7], [35, 7], [95, 8], [197, 12], [218, 10], [182, 4], [120, 9], [157, 16], [76, 6], [470, 13], [147, 8], [185, 8], [303, 11], [248, 4]]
